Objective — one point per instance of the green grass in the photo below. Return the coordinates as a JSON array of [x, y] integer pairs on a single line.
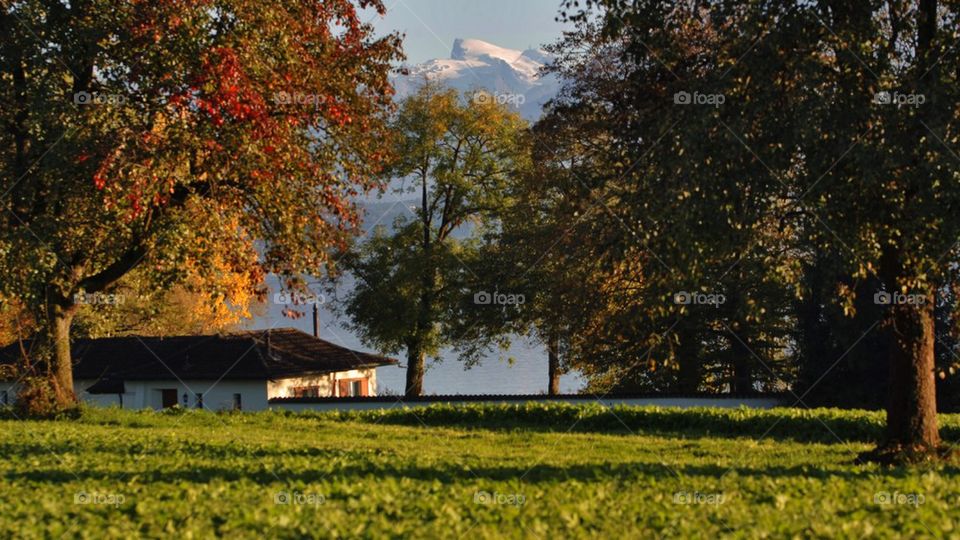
[[553, 471]]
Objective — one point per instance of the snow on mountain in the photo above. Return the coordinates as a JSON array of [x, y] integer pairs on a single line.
[[510, 76], [474, 49]]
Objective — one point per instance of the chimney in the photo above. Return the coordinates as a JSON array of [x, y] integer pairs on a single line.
[[316, 320]]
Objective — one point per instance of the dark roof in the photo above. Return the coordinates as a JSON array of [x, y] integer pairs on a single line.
[[107, 385], [251, 355]]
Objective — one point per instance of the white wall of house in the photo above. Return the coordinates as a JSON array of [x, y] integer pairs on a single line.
[[101, 400], [217, 395], [148, 394], [327, 383]]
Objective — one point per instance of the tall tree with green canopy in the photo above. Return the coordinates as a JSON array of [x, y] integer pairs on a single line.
[[851, 108], [457, 154], [126, 124], [659, 225]]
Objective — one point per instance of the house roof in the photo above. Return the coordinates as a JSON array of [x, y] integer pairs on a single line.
[[251, 355]]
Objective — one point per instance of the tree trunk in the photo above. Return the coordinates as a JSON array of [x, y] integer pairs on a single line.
[[416, 358], [60, 318], [912, 405], [741, 361], [553, 366], [415, 343], [742, 375], [912, 433], [415, 370], [688, 359]]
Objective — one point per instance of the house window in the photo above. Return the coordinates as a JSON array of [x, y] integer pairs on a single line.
[[306, 391], [237, 402], [352, 387]]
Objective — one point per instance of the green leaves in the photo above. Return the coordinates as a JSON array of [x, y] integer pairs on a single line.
[[457, 159]]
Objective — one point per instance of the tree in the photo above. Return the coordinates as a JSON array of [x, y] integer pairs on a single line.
[[127, 122], [664, 220], [458, 154], [875, 78], [218, 288]]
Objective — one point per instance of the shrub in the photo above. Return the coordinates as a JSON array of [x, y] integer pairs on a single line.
[[38, 398]]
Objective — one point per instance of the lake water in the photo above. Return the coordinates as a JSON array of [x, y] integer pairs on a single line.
[[527, 374]]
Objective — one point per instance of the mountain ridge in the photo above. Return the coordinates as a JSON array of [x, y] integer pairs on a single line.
[[512, 76]]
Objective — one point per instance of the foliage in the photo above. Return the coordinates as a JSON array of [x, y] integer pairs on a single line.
[[657, 206], [414, 285], [139, 132], [755, 167], [385, 480], [218, 288]]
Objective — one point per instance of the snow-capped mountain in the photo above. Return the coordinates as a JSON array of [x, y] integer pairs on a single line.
[[510, 76]]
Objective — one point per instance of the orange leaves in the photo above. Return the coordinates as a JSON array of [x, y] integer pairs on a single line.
[[99, 177]]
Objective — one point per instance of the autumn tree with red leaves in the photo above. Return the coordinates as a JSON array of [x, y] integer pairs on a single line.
[[129, 126]]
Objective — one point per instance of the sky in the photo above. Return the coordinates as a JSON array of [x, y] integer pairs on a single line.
[[432, 25]]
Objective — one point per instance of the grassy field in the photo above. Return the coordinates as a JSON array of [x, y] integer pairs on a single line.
[[479, 472]]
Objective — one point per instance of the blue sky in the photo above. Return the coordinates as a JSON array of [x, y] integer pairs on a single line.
[[432, 25]]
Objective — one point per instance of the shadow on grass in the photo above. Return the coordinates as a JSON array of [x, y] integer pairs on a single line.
[[828, 426], [451, 473]]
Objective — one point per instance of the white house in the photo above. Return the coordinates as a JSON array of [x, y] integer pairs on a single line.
[[242, 370]]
